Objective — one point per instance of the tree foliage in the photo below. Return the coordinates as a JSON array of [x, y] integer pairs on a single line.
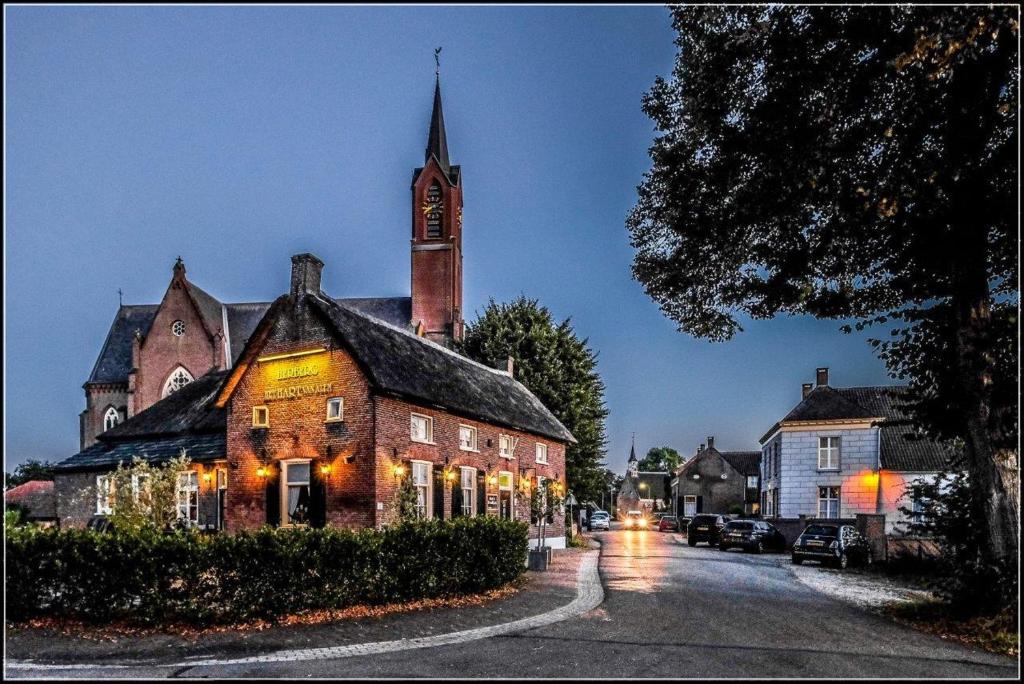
[[559, 368], [851, 163], [32, 469], [145, 495], [661, 458]]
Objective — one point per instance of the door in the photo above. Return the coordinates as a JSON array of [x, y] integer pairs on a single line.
[[689, 506], [505, 494], [222, 493]]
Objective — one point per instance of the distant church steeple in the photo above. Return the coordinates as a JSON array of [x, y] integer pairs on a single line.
[[437, 234], [633, 466]]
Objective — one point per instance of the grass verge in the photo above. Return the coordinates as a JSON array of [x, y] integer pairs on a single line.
[[995, 634]]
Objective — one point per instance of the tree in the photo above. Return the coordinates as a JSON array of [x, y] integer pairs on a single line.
[[852, 163], [661, 458], [559, 368], [404, 504], [32, 469], [146, 495]]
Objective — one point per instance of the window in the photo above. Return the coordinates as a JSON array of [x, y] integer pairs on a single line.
[[335, 409], [766, 462], [104, 495], [828, 502], [917, 506], [178, 378], [468, 484], [111, 418], [689, 506], [178, 328], [777, 467], [260, 416], [421, 481], [467, 438], [295, 492], [188, 497], [142, 491], [505, 446], [421, 429], [433, 208], [751, 481], [828, 453], [542, 453]]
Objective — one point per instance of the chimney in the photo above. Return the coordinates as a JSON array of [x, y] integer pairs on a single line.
[[805, 389], [306, 270], [822, 377], [700, 448], [711, 441], [510, 367]]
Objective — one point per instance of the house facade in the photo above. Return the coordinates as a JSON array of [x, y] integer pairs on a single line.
[[844, 451], [714, 481]]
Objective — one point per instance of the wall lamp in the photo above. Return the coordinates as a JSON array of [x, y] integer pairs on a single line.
[[262, 472], [399, 470]]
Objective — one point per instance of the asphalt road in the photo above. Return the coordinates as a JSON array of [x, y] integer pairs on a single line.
[[670, 611]]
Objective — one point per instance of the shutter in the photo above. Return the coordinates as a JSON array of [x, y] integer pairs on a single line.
[[457, 498], [700, 504], [481, 494], [438, 492], [273, 500], [317, 495]]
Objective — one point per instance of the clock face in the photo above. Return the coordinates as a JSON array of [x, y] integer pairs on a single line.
[[432, 206]]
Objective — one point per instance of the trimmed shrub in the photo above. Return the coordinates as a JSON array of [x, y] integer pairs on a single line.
[[151, 577]]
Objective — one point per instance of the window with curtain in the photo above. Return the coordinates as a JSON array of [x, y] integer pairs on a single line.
[[295, 497]]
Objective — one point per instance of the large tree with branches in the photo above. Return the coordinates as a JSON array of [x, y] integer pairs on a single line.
[[854, 163]]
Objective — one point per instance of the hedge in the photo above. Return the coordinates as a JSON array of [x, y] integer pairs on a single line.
[[153, 578]]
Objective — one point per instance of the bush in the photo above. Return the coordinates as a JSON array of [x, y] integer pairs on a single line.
[[151, 577]]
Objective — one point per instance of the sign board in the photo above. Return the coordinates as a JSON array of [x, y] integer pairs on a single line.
[[570, 500], [492, 500]]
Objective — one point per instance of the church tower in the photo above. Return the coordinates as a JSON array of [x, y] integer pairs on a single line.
[[437, 237], [632, 465]]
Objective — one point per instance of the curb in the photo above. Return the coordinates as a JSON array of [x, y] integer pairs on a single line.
[[589, 595]]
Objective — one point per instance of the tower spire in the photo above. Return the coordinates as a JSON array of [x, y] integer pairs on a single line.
[[437, 140]]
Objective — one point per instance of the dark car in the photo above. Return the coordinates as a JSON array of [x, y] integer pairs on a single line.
[[751, 535], [668, 524], [837, 545], [705, 528]]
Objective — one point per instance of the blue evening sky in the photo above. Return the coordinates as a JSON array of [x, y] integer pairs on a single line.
[[238, 136]]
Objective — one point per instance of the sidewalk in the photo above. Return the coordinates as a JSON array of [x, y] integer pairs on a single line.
[[538, 593]]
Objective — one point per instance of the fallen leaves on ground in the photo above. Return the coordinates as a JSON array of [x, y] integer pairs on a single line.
[[995, 633]]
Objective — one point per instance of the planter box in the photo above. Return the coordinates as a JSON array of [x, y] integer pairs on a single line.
[[538, 560]]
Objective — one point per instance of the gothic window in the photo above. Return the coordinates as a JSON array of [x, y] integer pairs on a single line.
[[178, 379], [433, 209], [111, 418]]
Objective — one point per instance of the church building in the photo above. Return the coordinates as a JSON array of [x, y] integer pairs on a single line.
[[310, 410]]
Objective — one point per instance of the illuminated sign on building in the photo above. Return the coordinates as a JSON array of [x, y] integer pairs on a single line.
[[284, 369]]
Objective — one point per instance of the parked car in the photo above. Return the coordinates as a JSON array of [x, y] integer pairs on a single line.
[[600, 520], [705, 528], [635, 520], [836, 545], [751, 535], [668, 523]]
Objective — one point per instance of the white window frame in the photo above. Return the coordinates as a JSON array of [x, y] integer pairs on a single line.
[[111, 418], [104, 494], [827, 500], [141, 483], [506, 453], [687, 500], [427, 487], [169, 383], [751, 478], [430, 428], [182, 499], [256, 422], [283, 496], [830, 451], [542, 448], [341, 410], [472, 442], [468, 502]]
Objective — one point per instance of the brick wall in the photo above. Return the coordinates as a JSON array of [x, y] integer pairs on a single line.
[[717, 495], [76, 498], [98, 398]]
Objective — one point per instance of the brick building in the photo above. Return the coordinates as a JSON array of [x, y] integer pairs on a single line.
[[714, 481], [310, 410]]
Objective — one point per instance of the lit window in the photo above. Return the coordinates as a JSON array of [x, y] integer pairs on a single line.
[[467, 438], [104, 495], [504, 446], [828, 502], [188, 497], [468, 491], [295, 495], [111, 418], [178, 328], [421, 481], [751, 481], [335, 409], [421, 429], [828, 453], [177, 379], [260, 416], [542, 453]]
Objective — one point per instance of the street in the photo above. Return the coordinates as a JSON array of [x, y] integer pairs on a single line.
[[669, 611]]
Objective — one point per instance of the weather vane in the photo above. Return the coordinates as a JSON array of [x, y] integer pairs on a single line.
[[437, 61]]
